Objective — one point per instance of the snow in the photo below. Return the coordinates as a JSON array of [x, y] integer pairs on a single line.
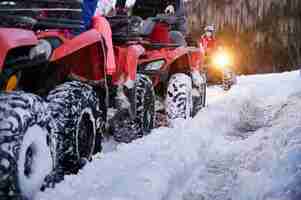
[[42, 162], [244, 145]]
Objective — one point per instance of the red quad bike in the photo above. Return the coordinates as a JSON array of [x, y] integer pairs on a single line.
[[174, 70], [169, 62], [57, 88], [220, 68]]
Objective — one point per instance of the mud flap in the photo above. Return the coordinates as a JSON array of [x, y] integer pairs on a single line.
[[125, 102], [135, 120], [131, 97]]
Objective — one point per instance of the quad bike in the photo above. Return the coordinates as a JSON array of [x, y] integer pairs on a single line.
[[56, 90], [220, 68], [173, 70], [170, 63], [167, 61]]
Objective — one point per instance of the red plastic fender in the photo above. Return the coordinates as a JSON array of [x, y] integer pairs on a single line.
[[79, 42], [11, 38], [168, 54], [189, 55], [176, 59], [127, 58], [102, 25], [81, 56]]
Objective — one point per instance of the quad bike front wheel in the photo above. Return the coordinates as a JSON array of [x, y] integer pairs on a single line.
[[26, 155], [179, 104], [124, 128], [74, 107]]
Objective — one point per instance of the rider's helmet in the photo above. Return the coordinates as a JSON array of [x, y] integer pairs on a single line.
[[209, 30], [170, 10]]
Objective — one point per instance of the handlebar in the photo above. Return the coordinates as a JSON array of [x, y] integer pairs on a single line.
[[169, 19], [159, 18]]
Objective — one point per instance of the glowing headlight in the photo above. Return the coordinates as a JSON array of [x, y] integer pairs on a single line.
[[156, 65], [43, 48], [222, 60]]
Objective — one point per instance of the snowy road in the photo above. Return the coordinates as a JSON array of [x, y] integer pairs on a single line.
[[244, 146]]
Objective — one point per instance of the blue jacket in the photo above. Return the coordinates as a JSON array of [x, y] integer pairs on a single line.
[[88, 10]]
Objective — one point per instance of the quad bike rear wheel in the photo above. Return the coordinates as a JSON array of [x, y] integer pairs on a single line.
[[179, 104], [124, 128], [228, 79], [26, 155], [78, 125]]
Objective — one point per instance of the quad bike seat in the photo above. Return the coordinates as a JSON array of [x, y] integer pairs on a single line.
[[125, 28], [156, 30], [151, 8], [149, 23]]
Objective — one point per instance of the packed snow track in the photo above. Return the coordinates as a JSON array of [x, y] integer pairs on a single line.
[[245, 145]]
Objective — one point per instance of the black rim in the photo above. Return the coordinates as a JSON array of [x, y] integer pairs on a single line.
[[85, 137], [148, 116], [147, 120], [29, 160]]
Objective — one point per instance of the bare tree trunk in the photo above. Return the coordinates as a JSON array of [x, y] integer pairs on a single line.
[[255, 22]]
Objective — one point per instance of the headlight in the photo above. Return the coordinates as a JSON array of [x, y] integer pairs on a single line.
[[11, 83], [155, 65], [222, 60], [43, 48]]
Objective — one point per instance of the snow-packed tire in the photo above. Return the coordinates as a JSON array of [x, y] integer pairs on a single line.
[[126, 130], [78, 123], [199, 96], [179, 97], [226, 85], [26, 146], [229, 79]]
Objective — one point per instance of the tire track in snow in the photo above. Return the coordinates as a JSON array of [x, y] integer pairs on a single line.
[[228, 173]]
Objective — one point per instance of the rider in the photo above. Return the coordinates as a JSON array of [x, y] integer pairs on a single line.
[[207, 41]]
